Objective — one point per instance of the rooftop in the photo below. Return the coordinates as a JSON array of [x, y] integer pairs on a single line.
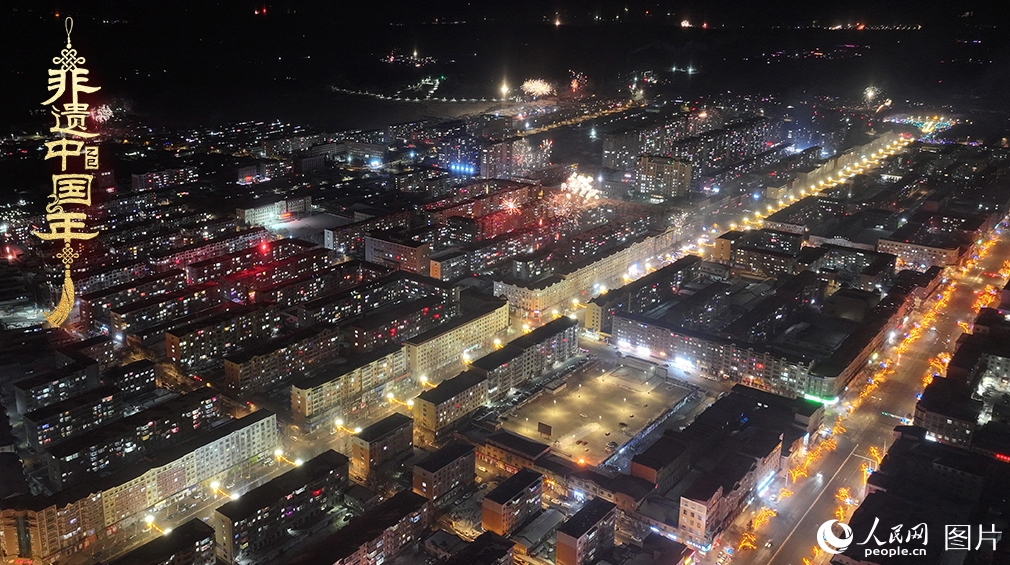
[[587, 518], [445, 456], [384, 427], [661, 453], [162, 298], [489, 547], [384, 314], [51, 376], [514, 485], [518, 444], [169, 409], [450, 388], [456, 322], [334, 369]]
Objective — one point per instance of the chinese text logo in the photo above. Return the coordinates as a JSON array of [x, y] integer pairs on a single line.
[[72, 188]]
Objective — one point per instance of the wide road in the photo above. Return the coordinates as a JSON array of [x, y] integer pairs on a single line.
[[792, 531]]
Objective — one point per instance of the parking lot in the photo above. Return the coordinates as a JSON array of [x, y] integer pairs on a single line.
[[596, 409]]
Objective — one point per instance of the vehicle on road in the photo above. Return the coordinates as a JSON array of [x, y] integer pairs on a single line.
[[482, 468]]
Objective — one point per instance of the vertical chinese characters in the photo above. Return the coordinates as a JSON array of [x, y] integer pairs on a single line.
[[66, 209]]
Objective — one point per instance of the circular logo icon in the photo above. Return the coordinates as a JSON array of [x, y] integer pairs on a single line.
[[831, 543]]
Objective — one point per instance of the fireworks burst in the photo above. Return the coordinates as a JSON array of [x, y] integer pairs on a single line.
[[578, 81], [537, 87], [575, 195], [102, 113], [581, 186], [510, 205]]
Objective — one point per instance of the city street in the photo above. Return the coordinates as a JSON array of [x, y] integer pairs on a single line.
[[813, 501]]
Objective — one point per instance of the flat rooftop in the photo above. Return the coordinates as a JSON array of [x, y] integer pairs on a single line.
[[450, 388], [384, 427], [514, 485], [586, 519], [85, 399], [445, 456], [518, 444]]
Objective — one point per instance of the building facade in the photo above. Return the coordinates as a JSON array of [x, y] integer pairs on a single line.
[[445, 472], [259, 520], [505, 508], [587, 534], [380, 443]]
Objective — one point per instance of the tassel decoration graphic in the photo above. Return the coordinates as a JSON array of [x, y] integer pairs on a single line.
[[66, 304]]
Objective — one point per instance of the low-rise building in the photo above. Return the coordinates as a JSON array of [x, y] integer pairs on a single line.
[[336, 388], [259, 520], [948, 413], [442, 473], [210, 339], [379, 443], [445, 344], [588, 534], [47, 529], [663, 463], [437, 409], [528, 356], [272, 363], [402, 254], [134, 378], [511, 503], [118, 444], [377, 536], [150, 312], [73, 416], [396, 322], [49, 388]]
